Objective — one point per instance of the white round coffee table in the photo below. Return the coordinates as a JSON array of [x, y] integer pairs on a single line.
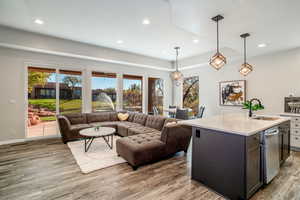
[[90, 134]]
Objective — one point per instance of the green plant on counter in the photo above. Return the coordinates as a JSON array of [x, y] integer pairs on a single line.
[[254, 107]]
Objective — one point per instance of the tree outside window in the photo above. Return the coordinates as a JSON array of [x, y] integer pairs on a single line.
[[191, 94]]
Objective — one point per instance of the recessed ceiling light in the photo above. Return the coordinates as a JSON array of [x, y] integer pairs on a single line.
[[195, 40], [120, 42], [262, 45], [39, 21], [146, 21]]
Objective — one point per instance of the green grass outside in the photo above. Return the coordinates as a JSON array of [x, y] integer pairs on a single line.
[[70, 105], [48, 119], [43, 103], [65, 106]]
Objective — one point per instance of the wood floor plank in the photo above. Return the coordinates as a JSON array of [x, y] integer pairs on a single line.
[[46, 169]]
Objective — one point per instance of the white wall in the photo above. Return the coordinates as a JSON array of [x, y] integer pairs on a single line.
[[12, 84], [274, 77]]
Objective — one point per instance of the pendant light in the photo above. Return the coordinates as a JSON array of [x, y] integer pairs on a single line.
[[218, 60], [245, 68], [176, 75]]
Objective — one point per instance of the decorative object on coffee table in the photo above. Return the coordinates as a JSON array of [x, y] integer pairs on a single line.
[[232, 93], [90, 134]]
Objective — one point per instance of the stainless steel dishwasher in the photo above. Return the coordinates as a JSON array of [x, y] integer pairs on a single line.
[[270, 153]]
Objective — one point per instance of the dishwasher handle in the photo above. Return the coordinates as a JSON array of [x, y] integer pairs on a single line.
[[275, 132]]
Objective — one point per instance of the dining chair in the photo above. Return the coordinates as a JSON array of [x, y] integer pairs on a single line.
[[200, 112], [182, 114], [155, 110], [172, 114]]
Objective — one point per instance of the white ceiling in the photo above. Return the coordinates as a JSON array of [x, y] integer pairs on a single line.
[[173, 22]]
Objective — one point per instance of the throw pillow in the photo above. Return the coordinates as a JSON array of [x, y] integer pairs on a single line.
[[123, 116]]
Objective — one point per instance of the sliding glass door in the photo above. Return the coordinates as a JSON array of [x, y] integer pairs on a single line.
[[155, 95], [41, 102], [103, 91], [44, 102], [132, 93]]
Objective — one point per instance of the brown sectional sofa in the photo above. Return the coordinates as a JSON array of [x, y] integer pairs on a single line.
[[146, 138]]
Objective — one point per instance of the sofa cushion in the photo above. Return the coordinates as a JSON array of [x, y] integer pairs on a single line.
[[141, 130], [156, 122], [77, 127], [140, 118], [98, 117], [76, 118], [131, 116], [176, 137], [113, 116], [140, 149], [124, 126]]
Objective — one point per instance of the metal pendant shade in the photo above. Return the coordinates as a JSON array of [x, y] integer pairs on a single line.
[[176, 75], [246, 68], [218, 60]]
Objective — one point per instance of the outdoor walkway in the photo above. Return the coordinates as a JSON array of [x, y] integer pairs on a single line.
[[43, 129]]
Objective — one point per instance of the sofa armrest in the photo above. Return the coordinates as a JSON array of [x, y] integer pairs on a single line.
[[176, 137], [64, 127]]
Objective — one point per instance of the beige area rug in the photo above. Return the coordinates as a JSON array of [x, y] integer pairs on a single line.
[[98, 157]]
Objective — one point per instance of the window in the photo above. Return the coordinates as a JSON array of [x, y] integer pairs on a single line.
[[191, 94], [41, 104], [103, 91], [70, 92], [155, 95], [132, 93]]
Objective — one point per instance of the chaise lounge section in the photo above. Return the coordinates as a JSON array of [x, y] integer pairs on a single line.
[[145, 138], [152, 146]]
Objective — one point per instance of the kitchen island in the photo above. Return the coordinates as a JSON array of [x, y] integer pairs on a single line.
[[227, 152]]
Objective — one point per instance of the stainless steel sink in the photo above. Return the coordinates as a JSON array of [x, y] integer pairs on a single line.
[[265, 118]]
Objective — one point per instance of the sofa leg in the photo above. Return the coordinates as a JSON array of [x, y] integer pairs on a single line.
[[134, 168]]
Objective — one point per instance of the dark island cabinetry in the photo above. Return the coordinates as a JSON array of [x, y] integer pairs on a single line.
[[230, 164]]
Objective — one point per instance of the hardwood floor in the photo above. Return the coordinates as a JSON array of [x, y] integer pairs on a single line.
[[46, 169]]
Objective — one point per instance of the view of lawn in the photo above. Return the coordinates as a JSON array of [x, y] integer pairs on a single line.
[[48, 118], [66, 106], [43, 103]]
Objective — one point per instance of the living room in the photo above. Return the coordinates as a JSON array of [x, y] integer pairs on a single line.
[[108, 98]]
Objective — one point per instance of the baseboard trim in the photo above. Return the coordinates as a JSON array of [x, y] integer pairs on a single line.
[[14, 141]]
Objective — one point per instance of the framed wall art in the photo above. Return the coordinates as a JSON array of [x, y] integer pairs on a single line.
[[232, 93]]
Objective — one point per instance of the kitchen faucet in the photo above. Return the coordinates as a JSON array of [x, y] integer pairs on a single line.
[[250, 105]]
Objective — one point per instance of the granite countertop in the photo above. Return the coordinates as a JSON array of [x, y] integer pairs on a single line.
[[236, 123]]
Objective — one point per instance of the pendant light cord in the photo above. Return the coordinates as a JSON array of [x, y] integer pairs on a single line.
[[218, 36], [245, 50], [176, 59]]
